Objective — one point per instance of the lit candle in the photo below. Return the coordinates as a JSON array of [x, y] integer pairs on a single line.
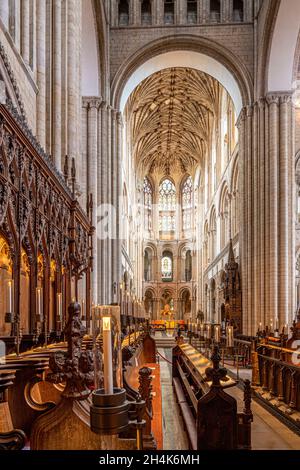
[[217, 334], [229, 337], [271, 325], [208, 328], [59, 305], [260, 326], [9, 308], [39, 303], [83, 309], [107, 351], [276, 323]]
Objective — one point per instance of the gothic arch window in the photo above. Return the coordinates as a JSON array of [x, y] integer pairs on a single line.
[[123, 13], [169, 12], [213, 235], [167, 266], [167, 206], [147, 264], [148, 200], [192, 11], [148, 302], [187, 203], [215, 11], [238, 10], [224, 213], [205, 245], [235, 202], [188, 266], [186, 304], [146, 13]]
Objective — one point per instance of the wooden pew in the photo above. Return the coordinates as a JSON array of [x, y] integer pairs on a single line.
[[199, 385]]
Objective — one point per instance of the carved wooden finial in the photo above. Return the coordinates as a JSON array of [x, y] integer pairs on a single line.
[[215, 373], [75, 367], [91, 206], [145, 387], [73, 176]]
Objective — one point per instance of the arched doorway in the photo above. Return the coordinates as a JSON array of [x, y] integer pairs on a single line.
[[149, 304], [186, 305]]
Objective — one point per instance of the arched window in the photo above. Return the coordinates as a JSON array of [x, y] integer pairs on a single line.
[[205, 245], [215, 11], [224, 219], [146, 15], [187, 203], [192, 11], [167, 206], [123, 13], [238, 10], [147, 264], [169, 12], [188, 266], [148, 204], [167, 266], [235, 203], [213, 236]]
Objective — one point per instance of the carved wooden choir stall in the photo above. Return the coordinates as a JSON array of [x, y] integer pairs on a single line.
[[209, 413]]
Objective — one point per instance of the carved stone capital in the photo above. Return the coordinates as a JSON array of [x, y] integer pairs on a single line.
[[272, 98], [91, 102]]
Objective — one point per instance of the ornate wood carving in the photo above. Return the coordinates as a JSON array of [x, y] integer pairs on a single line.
[[39, 213], [75, 367]]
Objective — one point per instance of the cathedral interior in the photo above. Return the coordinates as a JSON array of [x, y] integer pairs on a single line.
[[150, 225]]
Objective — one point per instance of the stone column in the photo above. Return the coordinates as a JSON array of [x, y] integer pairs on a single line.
[[92, 183], [25, 31], [204, 11], [285, 202], [249, 220], [158, 8], [241, 125], [41, 70], [226, 11], [103, 176], [248, 11], [18, 24], [84, 152], [56, 85], [4, 12], [72, 79], [136, 12], [256, 228], [118, 192], [181, 13], [273, 102]]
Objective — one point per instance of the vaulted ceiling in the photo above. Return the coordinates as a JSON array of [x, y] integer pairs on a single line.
[[169, 120]]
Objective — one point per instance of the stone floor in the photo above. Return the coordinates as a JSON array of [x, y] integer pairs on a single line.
[[268, 433], [174, 437]]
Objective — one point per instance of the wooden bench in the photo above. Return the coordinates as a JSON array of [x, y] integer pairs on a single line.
[[178, 390], [190, 424], [187, 415]]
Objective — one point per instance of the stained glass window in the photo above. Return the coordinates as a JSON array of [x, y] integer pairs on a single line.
[[187, 203], [148, 203], [166, 268], [167, 206]]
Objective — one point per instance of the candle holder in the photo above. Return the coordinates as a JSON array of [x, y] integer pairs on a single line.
[[109, 412]]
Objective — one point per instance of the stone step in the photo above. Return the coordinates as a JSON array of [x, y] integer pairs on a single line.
[[165, 342]]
